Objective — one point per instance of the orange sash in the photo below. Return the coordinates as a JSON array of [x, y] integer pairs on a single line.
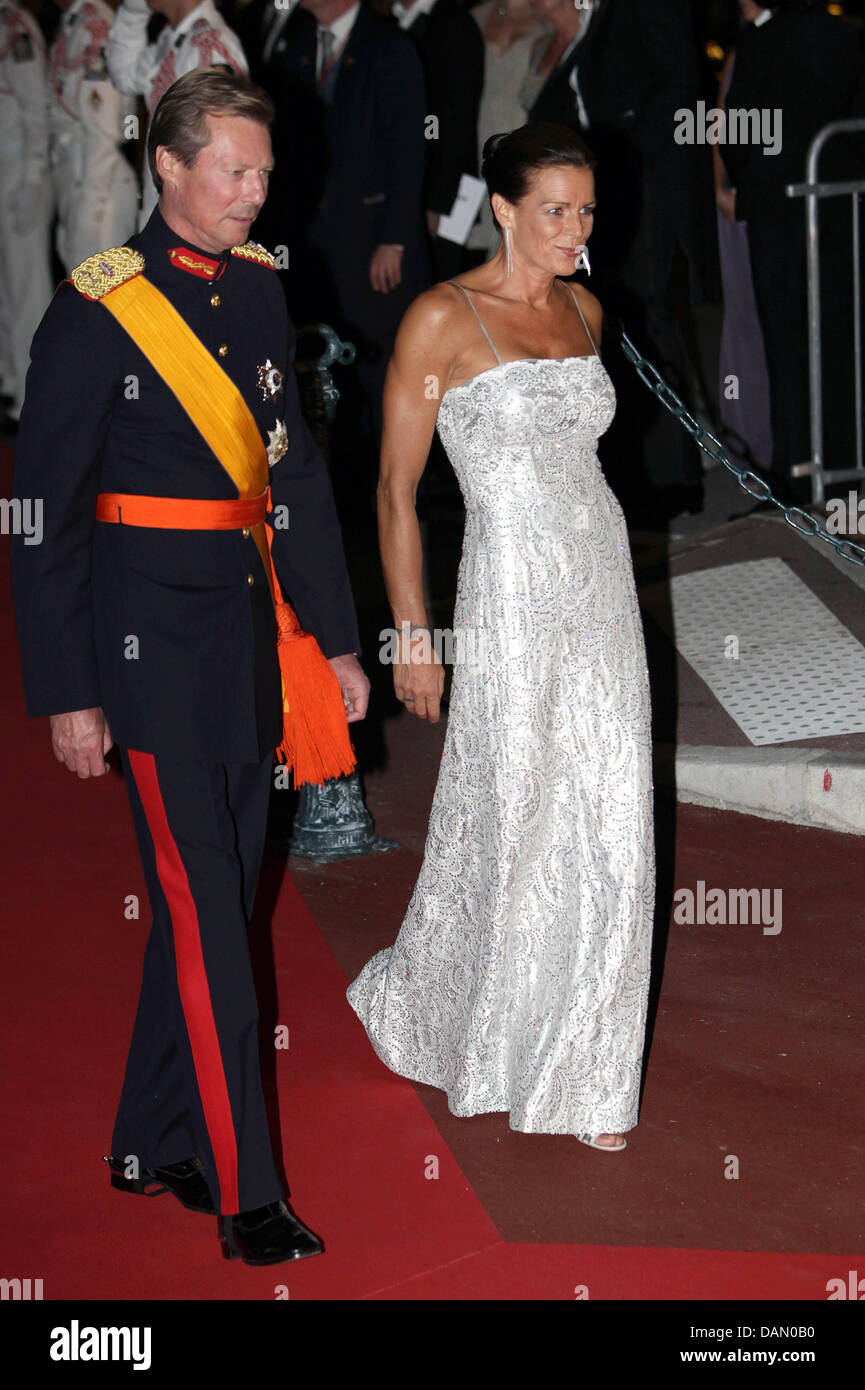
[[315, 738], [181, 513]]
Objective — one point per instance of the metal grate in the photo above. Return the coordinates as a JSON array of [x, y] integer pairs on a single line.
[[799, 672]]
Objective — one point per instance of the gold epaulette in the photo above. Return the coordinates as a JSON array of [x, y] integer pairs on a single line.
[[251, 251], [102, 273]]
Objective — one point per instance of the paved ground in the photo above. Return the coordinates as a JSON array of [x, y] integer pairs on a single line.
[[686, 710]]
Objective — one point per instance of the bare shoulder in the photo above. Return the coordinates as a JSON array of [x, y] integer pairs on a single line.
[[588, 302], [436, 307], [431, 320]]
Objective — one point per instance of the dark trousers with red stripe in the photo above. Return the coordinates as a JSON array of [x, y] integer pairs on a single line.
[[193, 1077]]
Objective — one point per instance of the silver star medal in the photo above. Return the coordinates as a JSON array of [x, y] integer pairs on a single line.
[[277, 442], [269, 380]]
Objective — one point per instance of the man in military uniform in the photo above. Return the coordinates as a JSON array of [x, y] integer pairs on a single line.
[[146, 618], [196, 36], [25, 195], [94, 183]]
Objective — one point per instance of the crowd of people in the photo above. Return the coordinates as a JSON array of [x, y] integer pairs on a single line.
[[382, 108]]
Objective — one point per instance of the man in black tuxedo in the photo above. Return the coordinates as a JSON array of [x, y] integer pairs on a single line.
[[452, 53], [806, 68], [630, 68], [259, 24], [350, 152], [145, 619]]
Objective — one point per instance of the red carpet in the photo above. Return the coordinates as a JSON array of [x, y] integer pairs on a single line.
[[357, 1140]]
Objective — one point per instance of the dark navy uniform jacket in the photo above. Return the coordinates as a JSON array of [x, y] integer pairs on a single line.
[[202, 680]]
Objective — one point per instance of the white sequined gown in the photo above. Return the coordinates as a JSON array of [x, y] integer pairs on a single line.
[[519, 978]]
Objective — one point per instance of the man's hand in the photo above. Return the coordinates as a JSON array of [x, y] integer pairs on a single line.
[[354, 685], [432, 222], [81, 740], [385, 267]]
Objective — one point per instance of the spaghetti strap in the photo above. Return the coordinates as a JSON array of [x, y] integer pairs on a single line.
[[583, 317], [478, 317]]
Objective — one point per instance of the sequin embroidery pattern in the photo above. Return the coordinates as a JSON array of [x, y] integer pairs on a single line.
[[518, 981]]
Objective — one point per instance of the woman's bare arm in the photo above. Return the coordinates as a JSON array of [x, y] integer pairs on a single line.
[[725, 194], [417, 377]]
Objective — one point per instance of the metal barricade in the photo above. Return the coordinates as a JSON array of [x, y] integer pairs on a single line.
[[813, 191]]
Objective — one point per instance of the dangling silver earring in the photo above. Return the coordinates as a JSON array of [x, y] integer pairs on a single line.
[[509, 260]]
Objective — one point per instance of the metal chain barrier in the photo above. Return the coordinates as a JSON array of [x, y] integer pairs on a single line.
[[752, 483]]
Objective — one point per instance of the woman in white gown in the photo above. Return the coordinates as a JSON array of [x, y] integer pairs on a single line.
[[519, 978]]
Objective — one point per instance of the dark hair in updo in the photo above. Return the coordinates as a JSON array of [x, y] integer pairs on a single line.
[[509, 160]]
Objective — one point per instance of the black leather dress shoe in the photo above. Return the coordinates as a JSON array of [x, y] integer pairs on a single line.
[[267, 1236], [185, 1180]]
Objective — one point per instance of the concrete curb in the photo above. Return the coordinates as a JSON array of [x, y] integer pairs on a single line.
[[804, 786]]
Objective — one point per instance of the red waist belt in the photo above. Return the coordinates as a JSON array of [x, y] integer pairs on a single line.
[[315, 739], [181, 513]]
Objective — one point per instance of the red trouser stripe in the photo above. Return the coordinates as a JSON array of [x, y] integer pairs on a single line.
[[192, 982]]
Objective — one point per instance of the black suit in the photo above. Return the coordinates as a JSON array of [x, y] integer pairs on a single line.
[[251, 23], [350, 182], [810, 68], [195, 704], [451, 50], [637, 65], [556, 102], [301, 162]]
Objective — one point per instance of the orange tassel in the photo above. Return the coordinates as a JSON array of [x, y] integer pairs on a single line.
[[315, 739]]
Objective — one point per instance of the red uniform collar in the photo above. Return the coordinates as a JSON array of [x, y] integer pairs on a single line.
[[196, 263]]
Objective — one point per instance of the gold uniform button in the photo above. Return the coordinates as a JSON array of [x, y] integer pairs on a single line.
[[215, 300], [250, 579], [246, 533], [223, 349]]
